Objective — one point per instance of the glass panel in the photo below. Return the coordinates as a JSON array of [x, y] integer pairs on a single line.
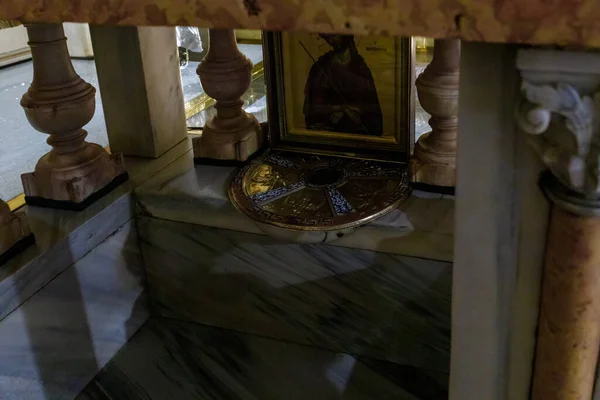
[[423, 55], [199, 107], [255, 102]]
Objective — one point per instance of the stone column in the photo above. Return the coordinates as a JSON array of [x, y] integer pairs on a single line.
[[146, 117], [560, 112], [60, 103], [13, 230], [434, 158], [225, 73]]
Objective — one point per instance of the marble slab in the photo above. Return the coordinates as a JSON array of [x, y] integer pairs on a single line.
[[198, 194], [173, 360], [142, 169], [57, 341], [63, 237], [362, 302]]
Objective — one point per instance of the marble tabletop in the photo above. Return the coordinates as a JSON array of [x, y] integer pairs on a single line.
[[183, 192]]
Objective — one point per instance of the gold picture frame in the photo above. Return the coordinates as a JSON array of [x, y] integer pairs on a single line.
[[297, 69]]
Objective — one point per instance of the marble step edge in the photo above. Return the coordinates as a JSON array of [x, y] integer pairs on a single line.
[[55, 250], [57, 341], [63, 237], [165, 370]]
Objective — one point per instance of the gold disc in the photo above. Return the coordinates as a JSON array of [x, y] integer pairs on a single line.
[[317, 193]]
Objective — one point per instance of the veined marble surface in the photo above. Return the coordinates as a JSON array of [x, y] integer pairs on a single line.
[[63, 237], [362, 302], [198, 194], [168, 359], [57, 341]]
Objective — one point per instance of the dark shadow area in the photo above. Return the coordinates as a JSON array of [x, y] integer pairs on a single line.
[[340, 321], [60, 337]]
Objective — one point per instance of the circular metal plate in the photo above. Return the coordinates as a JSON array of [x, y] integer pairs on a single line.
[[317, 193]]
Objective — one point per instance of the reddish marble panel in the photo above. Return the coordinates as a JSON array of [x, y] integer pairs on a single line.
[[563, 22]]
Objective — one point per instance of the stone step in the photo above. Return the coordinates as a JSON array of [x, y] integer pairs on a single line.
[[168, 359]]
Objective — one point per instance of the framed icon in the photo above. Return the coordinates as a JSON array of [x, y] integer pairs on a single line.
[[341, 94]]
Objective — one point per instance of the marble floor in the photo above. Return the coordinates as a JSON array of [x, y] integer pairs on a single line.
[[169, 359]]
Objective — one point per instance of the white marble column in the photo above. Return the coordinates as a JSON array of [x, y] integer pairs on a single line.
[[500, 234], [145, 117]]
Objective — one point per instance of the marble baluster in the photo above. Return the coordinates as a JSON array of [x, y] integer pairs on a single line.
[[60, 103], [559, 111], [225, 74], [13, 228], [54, 343], [434, 159]]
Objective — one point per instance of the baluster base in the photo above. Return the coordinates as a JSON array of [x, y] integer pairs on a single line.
[[433, 168], [57, 183], [237, 142], [15, 235]]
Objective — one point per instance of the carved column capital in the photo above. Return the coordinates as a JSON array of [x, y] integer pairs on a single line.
[[559, 110]]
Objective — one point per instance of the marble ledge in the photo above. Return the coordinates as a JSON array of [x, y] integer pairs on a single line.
[[559, 23], [63, 237], [184, 192], [184, 361], [59, 244], [57, 341]]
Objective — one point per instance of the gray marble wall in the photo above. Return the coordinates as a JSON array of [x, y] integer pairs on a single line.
[[366, 303], [55, 342]]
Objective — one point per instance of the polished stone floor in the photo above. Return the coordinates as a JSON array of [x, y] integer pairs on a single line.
[[169, 359]]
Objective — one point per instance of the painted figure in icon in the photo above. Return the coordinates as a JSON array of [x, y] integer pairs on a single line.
[[340, 92]]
